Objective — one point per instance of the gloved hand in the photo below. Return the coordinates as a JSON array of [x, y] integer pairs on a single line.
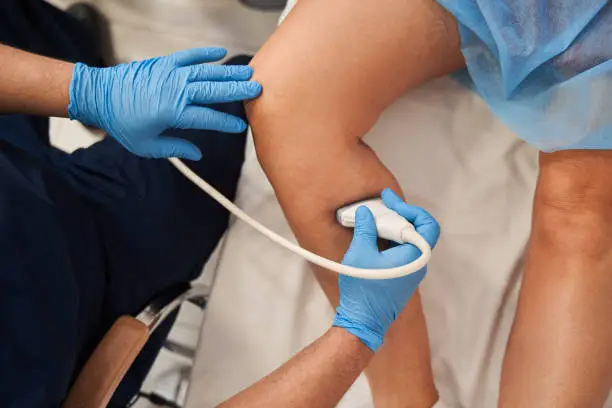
[[138, 101], [368, 307]]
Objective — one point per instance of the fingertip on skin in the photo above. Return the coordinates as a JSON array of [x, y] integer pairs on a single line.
[[237, 72], [256, 86], [389, 194], [241, 126], [391, 199], [244, 71], [252, 89]]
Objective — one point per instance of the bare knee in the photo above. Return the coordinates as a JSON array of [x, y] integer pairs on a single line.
[[573, 203]]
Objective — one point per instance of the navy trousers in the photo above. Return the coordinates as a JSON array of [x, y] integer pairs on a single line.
[[90, 236]]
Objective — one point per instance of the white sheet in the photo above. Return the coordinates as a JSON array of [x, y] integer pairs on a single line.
[[450, 156]]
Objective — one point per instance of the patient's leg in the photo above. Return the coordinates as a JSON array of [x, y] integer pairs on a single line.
[[328, 73], [560, 350]]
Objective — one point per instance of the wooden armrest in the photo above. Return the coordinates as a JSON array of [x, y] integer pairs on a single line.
[[111, 360], [108, 364]]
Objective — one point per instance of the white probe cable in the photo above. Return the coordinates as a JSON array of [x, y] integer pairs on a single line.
[[412, 238]]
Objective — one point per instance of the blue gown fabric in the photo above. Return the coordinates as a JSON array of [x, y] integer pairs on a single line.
[[543, 67]]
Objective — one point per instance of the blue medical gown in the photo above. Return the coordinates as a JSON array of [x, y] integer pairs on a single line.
[[542, 66]]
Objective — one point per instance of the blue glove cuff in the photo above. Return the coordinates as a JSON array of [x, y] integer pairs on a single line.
[[82, 92], [370, 338], [73, 106]]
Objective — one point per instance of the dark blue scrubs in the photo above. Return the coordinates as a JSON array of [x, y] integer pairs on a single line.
[[87, 237]]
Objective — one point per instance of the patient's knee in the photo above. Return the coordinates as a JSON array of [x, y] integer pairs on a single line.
[[576, 180], [573, 203]]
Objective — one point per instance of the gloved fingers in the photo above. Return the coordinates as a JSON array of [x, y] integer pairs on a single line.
[[365, 228], [200, 117], [214, 72], [205, 93], [425, 223], [399, 255], [197, 56], [165, 147], [364, 244]]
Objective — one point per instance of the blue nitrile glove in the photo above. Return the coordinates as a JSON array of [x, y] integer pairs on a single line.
[[136, 102], [368, 307]]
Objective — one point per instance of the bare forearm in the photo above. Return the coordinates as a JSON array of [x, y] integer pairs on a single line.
[[560, 350], [33, 84], [317, 377]]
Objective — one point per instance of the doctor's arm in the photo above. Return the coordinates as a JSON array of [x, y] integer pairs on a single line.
[[134, 103], [33, 84], [321, 374], [318, 376]]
